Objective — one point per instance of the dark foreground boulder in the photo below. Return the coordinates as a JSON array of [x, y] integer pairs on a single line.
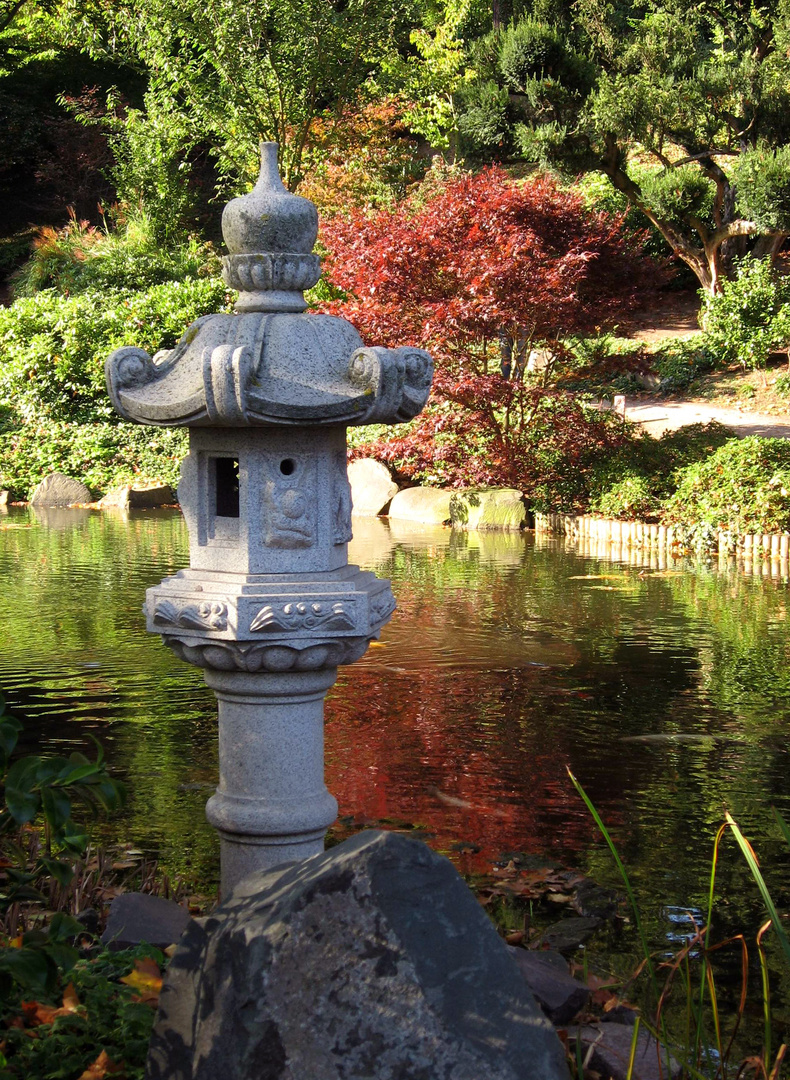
[[372, 961]]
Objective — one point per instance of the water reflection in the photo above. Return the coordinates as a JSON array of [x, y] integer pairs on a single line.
[[666, 689]]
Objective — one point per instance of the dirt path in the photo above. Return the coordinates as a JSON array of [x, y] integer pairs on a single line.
[[675, 315], [656, 417]]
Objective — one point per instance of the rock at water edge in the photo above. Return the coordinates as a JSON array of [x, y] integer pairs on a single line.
[[372, 487], [488, 508], [372, 961], [138, 917], [560, 996], [427, 505], [59, 490], [611, 1052], [128, 497]]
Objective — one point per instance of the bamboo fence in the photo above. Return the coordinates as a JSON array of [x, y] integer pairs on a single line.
[[657, 546]]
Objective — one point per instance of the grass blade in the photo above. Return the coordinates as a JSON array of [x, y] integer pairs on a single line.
[[767, 1026], [632, 1055], [623, 874], [751, 860], [782, 825]]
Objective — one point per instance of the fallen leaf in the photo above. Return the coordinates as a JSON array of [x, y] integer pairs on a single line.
[[146, 979], [619, 1003], [35, 1013], [101, 1067]]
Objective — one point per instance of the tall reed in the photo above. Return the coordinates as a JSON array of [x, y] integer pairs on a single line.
[[704, 1050]]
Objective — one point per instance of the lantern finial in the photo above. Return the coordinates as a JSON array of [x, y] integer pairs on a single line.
[[270, 233]]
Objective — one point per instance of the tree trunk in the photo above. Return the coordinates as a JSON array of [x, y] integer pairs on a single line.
[[706, 259]]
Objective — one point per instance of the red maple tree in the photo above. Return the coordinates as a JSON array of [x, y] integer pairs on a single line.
[[481, 267]]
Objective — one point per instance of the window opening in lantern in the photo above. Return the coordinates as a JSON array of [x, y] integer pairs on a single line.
[[226, 487]]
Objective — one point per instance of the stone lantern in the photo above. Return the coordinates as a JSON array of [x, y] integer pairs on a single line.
[[269, 605]]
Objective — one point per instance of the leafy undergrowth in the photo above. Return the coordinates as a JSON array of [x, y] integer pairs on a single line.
[[96, 1025], [69, 1008]]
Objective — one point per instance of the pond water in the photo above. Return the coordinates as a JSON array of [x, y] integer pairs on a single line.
[[665, 690]]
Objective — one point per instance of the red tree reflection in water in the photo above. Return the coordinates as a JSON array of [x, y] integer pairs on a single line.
[[445, 748]]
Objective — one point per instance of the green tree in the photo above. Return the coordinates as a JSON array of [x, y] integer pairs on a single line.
[[702, 91], [264, 70]]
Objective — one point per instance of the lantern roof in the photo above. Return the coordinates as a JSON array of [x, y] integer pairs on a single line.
[[270, 362]]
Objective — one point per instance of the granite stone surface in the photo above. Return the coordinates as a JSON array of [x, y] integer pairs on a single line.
[[372, 961], [129, 497], [372, 487], [139, 917], [426, 505], [269, 606], [487, 508], [59, 490], [609, 1049]]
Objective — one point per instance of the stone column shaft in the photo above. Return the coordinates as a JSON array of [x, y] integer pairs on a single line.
[[271, 804]]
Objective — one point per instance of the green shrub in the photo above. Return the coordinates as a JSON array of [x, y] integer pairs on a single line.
[[679, 361], [53, 348], [750, 318], [630, 497], [531, 50], [602, 365], [763, 187], [102, 455], [635, 482], [744, 487], [109, 1018], [599, 192], [484, 123], [673, 194], [81, 257], [782, 384]]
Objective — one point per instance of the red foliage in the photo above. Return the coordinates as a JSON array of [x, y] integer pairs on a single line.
[[484, 254], [484, 257]]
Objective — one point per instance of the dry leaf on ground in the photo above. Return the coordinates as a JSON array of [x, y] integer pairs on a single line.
[[146, 979], [101, 1067]]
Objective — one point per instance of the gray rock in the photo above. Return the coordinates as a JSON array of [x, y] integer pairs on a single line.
[[138, 917], [59, 490], [568, 934], [128, 497], [427, 505], [3, 498], [488, 508], [372, 960], [560, 996], [612, 1051], [372, 487]]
